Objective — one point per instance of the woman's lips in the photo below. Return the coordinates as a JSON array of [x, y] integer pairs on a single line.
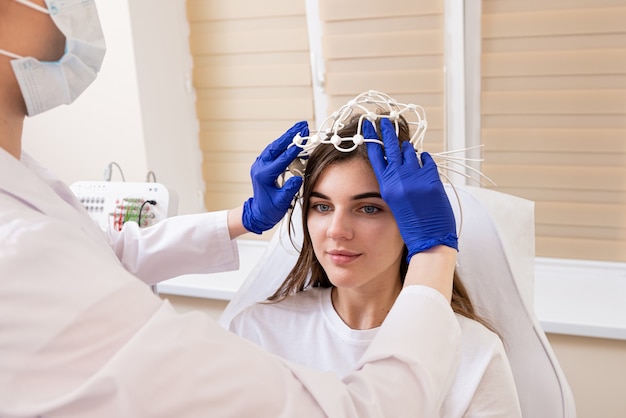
[[342, 256]]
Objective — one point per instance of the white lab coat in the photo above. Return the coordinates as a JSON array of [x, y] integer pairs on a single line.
[[80, 336]]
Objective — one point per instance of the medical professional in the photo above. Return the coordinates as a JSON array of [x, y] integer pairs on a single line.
[[81, 335]]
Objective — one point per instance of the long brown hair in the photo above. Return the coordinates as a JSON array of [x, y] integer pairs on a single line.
[[308, 271]]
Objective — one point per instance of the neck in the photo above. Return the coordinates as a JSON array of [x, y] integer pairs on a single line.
[[11, 135], [12, 115], [364, 310]]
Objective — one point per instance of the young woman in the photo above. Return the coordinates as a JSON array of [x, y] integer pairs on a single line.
[[350, 270]]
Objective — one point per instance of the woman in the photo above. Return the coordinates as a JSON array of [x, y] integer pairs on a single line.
[[350, 270]]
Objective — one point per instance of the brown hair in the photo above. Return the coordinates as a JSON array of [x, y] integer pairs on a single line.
[[308, 271]]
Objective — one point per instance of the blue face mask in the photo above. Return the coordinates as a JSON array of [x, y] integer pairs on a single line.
[[46, 85]]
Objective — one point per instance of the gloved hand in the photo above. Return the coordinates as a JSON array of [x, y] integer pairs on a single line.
[[414, 193], [270, 202]]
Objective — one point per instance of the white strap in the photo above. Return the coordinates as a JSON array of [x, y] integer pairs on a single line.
[[9, 54], [34, 6]]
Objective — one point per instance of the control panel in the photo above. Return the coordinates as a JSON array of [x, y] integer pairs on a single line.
[[111, 204]]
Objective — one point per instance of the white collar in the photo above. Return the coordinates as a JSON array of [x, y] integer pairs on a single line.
[[35, 186]]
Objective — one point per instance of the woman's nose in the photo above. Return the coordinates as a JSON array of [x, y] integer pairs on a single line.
[[339, 226]]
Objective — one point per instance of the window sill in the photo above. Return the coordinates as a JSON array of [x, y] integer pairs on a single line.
[[586, 298]]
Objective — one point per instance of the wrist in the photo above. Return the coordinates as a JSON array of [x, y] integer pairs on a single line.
[[449, 240], [433, 268], [234, 219], [248, 220]]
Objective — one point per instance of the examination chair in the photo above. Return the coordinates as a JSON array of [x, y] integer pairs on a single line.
[[497, 265]]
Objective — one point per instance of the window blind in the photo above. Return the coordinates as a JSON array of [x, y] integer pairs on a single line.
[[395, 47], [554, 119], [252, 81], [252, 73]]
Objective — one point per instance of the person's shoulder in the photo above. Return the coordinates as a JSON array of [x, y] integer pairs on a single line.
[[476, 336]]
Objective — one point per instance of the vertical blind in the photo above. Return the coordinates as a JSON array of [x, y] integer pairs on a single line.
[[554, 119], [252, 80]]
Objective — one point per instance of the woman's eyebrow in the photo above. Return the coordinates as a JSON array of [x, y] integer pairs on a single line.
[[366, 195], [319, 195]]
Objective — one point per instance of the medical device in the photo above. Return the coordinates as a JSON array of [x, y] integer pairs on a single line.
[[111, 204], [370, 105], [373, 105]]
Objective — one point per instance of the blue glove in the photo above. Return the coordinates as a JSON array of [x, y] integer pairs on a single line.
[[415, 194], [270, 202]]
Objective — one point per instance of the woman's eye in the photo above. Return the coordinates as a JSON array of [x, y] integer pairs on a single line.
[[370, 210], [321, 207]]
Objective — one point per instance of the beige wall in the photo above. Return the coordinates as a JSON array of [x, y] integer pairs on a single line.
[[596, 371], [595, 367]]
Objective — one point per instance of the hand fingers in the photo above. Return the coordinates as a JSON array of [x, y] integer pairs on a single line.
[[390, 139], [429, 167], [289, 190], [409, 155], [284, 196], [377, 159], [368, 131], [277, 147], [427, 159], [280, 164], [374, 151]]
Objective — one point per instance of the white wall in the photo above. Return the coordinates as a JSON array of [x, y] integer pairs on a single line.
[[168, 101], [140, 111]]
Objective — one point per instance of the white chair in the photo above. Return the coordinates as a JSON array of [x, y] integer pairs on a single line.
[[496, 263]]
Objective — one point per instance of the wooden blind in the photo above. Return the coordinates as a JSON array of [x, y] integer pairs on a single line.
[[394, 46], [252, 79], [554, 119]]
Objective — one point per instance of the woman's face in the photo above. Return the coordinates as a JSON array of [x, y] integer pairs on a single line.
[[354, 234], [28, 32]]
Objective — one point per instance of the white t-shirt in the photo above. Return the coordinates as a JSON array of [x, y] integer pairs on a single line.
[[306, 329]]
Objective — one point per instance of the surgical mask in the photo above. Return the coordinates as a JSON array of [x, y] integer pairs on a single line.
[[46, 85]]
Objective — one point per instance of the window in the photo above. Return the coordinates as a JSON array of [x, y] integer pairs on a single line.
[[554, 119], [252, 78]]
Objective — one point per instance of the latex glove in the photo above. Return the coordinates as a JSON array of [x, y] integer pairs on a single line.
[[414, 193], [270, 202]]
